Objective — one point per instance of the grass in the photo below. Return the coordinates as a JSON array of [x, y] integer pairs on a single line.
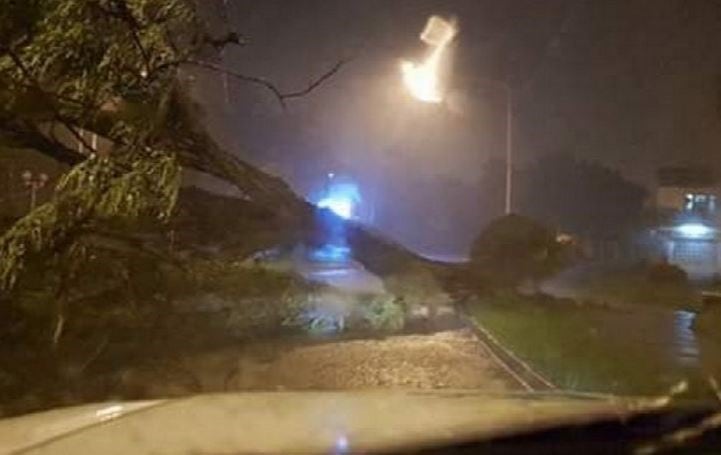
[[586, 348]]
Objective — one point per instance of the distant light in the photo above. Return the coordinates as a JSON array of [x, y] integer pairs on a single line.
[[331, 253], [341, 445], [695, 230], [422, 79], [340, 205], [341, 196]]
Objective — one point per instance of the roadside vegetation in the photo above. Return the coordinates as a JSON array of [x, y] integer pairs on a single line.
[[593, 349], [655, 284], [627, 330]]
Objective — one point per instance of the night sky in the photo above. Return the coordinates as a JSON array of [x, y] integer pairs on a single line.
[[629, 82]]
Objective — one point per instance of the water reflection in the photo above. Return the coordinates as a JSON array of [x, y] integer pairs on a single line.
[[685, 345]]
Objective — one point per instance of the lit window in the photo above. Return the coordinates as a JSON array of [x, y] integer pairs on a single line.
[[688, 202]]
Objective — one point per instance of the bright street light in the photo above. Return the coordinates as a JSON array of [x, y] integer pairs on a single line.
[[422, 79]]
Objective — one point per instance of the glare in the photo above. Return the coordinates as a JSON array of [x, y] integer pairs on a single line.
[[422, 79], [694, 230], [341, 196], [109, 412], [340, 205], [341, 445]]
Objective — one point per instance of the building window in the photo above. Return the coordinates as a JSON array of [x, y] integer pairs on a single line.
[[702, 204], [688, 202]]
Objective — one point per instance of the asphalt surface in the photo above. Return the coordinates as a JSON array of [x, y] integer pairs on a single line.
[[447, 359]]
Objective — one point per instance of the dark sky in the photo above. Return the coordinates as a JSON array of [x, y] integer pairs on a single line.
[[629, 82]]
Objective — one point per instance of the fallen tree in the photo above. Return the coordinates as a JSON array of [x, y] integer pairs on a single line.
[[116, 69]]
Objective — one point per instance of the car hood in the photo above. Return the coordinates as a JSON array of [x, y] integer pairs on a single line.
[[307, 422]]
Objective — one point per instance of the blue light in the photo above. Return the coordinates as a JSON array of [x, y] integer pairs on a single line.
[[694, 230], [340, 196], [340, 205], [331, 253]]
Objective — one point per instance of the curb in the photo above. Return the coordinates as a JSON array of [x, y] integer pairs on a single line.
[[519, 370]]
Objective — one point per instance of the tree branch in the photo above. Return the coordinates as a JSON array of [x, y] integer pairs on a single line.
[[280, 96], [35, 140], [122, 13], [220, 43], [117, 241], [26, 73]]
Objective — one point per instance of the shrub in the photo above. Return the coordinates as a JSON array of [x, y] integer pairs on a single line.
[[321, 312], [513, 249], [419, 285], [384, 313], [657, 284]]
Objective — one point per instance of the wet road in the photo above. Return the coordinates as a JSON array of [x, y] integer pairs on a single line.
[[348, 275], [449, 359]]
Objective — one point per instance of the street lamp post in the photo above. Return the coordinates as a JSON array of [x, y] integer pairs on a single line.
[[508, 100], [224, 75], [422, 82], [509, 148], [34, 182]]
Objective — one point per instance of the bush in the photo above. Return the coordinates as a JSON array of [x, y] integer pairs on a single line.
[[658, 283], [385, 313], [334, 312], [418, 284], [513, 249], [326, 311]]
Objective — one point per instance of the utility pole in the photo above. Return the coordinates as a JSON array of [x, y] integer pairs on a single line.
[[224, 76], [509, 150], [508, 94]]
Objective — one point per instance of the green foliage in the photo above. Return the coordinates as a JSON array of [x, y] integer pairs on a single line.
[[384, 313], [324, 311], [94, 54], [655, 284], [72, 65], [514, 248], [238, 280], [587, 348], [93, 192], [249, 300], [417, 285]]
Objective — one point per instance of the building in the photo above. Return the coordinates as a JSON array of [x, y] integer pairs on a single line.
[[687, 232]]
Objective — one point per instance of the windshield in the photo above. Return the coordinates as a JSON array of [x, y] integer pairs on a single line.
[[236, 195]]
